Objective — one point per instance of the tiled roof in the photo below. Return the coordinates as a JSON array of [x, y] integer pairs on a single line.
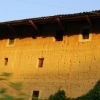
[[95, 13]]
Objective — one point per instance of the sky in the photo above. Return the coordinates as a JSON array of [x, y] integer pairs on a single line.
[[23, 9]]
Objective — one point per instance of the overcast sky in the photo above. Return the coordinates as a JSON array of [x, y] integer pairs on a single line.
[[22, 9]]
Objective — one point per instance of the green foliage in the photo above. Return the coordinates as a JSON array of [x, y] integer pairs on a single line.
[[93, 94], [60, 95], [16, 86], [8, 97], [4, 78], [6, 74], [3, 90]]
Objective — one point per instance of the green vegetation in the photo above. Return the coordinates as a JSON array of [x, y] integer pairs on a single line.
[[60, 95], [5, 95], [93, 94]]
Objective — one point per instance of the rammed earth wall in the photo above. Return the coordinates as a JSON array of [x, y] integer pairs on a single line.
[[70, 64]]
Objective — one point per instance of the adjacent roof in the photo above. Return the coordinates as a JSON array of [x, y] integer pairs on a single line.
[[67, 17]]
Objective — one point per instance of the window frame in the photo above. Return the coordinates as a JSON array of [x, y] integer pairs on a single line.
[[5, 61], [35, 97], [40, 64], [85, 33], [81, 39], [8, 42], [11, 40]]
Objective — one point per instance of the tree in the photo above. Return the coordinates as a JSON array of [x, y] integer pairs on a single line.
[[60, 95], [4, 95], [93, 94]]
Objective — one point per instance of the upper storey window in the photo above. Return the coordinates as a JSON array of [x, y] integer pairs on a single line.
[[85, 33], [11, 41], [59, 35], [34, 35]]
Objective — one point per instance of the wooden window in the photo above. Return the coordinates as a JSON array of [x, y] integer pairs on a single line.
[[40, 63], [11, 41], [35, 95], [85, 33], [6, 61], [59, 35]]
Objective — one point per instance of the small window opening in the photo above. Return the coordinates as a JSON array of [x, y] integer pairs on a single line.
[[6, 61], [85, 33], [59, 35], [35, 95], [34, 35], [40, 64], [11, 41]]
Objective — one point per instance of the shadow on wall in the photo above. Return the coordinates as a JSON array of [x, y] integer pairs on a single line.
[[48, 29]]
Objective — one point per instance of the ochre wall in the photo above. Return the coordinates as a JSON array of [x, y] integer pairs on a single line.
[[69, 64]]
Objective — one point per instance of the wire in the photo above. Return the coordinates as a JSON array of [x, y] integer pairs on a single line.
[[39, 3]]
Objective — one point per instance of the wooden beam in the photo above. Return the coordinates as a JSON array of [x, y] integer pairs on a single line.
[[34, 26], [60, 24], [10, 27], [88, 19]]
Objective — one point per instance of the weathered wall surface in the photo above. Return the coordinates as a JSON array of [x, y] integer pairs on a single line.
[[69, 64]]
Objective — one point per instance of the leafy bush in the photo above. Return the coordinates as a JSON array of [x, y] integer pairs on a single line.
[[4, 95], [93, 94], [60, 95]]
